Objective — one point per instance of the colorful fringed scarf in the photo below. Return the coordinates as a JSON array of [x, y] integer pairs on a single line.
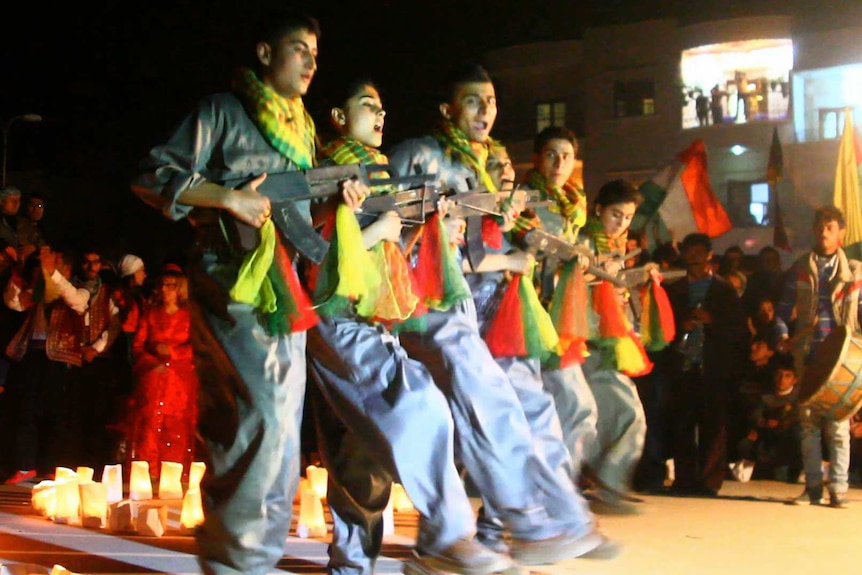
[[570, 315], [474, 155], [570, 202], [603, 243], [521, 327], [620, 346], [344, 150], [395, 299], [268, 282], [347, 277], [284, 122], [267, 279], [437, 268], [657, 326]]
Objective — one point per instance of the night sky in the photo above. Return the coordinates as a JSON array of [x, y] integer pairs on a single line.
[[113, 78]]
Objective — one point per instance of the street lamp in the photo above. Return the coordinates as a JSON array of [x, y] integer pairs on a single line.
[[23, 118]]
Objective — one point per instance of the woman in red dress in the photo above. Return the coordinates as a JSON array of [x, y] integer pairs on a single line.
[[164, 412]]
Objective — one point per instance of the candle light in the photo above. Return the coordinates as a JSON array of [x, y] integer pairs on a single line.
[[94, 504], [192, 513], [196, 473], [400, 501], [311, 522], [68, 502], [112, 477], [44, 498], [170, 480], [317, 478], [61, 473], [84, 474], [140, 484]]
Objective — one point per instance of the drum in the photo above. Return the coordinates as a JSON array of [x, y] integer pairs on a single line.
[[832, 384]]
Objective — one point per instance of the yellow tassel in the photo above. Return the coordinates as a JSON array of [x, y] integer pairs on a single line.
[[629, 357]]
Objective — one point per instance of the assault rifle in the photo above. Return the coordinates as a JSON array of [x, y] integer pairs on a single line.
[[412, 206], [552, 250], [286, 189]]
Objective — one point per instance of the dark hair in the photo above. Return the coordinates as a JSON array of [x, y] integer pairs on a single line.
[[272, 26], [464, 74], [665, 253], [352, 88], [617, 192], [826, 214], [696, 239], [554, 133], [734, 250]]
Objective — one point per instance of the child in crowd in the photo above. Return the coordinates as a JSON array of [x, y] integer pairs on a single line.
[[773, 440]]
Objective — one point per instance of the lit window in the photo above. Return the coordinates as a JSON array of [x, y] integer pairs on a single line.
[[550, 114]]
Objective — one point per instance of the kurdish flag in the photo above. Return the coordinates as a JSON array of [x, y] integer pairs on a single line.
[[680, 198], [846, 195]]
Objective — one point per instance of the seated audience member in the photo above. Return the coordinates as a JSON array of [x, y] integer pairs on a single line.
[[772, 445]]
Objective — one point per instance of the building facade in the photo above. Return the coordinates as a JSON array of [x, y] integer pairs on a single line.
[[637, 94]]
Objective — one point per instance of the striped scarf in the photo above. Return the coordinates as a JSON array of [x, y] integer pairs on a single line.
[[570, 201], [458, 148], [344, 150], [604, 243], [284, 122]]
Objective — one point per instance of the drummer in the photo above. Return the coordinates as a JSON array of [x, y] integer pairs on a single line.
[[823, 288]]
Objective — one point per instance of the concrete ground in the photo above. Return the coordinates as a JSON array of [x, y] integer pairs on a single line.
[[748, 529]]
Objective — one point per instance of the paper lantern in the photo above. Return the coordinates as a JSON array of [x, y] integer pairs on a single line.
[[84, 474], [44, 498], [192, 513], [196, 473], [112, 477], [94, 504], [67, 507], [171, 480], [61, 473], [152, 520], [400, 501], [317, 478], [120, 516], [311, 522], [140, 484]]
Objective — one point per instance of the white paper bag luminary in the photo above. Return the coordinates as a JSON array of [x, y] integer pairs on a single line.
[[196, 473], [61, 473], [94, 504], [43, 498], [317, 478], [311, 522], [140, 484], [152, 520], [67, 508], [170, 480], [84, 474], [400, 501], [192, 513], [112, 477]]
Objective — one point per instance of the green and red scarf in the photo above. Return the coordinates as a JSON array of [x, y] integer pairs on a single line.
[[267, 279], [378, 284]]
